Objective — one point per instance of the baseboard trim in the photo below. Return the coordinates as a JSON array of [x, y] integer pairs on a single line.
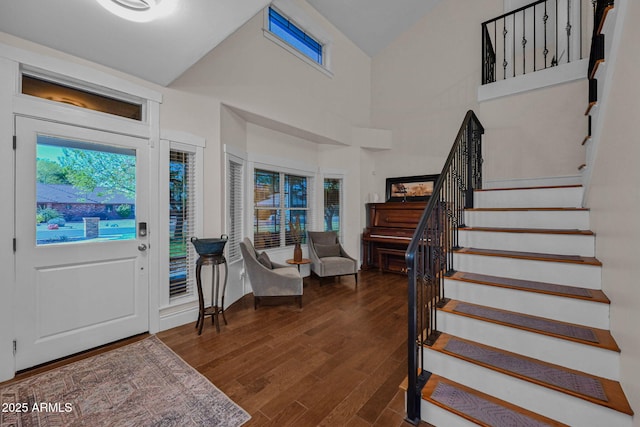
[[179, 317]]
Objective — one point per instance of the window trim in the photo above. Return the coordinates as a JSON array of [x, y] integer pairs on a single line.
[[309, 209], [341, 178], [180, 141], [286, 166], [325, 67]]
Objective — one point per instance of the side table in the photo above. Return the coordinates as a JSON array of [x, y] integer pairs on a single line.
[[299, 263], [214, 310]]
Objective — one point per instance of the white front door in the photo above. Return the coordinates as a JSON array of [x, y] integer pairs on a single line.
[[81, 239]]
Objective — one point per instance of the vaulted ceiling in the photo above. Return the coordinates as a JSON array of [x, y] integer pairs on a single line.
[[161, 50]]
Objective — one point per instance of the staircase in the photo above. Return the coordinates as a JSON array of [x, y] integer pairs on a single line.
[[525, 336]]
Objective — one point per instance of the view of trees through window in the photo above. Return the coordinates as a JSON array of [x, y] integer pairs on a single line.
[[280, 200], [181, 224], [83, 191], [332, 191]]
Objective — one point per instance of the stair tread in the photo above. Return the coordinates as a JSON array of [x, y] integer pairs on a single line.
[[532, 286], [479, 407], [542, 187], [598, 390], [595, 337], [538, 209], [572, 231], [535, 256]]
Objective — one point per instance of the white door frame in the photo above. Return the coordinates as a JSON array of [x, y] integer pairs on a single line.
[[12, 103]]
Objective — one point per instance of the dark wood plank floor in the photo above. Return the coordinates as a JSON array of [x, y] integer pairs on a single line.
[[337, 361]]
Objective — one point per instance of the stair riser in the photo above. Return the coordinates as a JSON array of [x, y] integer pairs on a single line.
[[556, 220], [571, 310], [438, 416], [542, 400], [571, 354], [561, 273], [561, 244], [564, 197]]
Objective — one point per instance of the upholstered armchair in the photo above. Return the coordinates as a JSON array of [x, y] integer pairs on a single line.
[[328, 257], [269, 279]]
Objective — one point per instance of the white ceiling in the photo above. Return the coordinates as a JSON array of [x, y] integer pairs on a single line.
[[160, 51], [373, 24]]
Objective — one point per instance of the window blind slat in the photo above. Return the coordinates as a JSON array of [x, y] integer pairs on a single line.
[[182, 209]]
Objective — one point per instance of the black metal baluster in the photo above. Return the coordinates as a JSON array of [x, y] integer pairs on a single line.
[[545, 18], [513, 37], [524, 43], [534, 37], [504, 48], [568, 29], [556, 55]]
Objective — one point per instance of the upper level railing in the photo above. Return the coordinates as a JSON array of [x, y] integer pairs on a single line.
[[430, 254], [534, 37]]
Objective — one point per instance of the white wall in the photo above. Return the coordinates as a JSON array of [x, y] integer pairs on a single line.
[[423, 83], [252, 73], [426, 80], [536, 133], [276, 104], [614, 200]]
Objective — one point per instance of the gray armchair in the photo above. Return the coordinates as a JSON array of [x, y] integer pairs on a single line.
[[269, 279], [328, 257]]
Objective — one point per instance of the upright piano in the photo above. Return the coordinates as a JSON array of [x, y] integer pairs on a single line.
[[390, 227]]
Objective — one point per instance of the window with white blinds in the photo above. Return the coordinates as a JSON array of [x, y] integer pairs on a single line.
[[235, 195], [281, 200], [182, 211]]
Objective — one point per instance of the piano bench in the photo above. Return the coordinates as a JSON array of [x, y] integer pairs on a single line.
[[383, 260]]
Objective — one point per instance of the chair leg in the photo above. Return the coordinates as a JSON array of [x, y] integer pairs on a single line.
[[299, 300], [255, 303], [356, 276]]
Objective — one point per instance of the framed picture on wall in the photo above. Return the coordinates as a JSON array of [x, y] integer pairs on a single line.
[[410, 188]]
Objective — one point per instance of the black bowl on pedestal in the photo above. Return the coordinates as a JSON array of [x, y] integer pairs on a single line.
[[210, 246]]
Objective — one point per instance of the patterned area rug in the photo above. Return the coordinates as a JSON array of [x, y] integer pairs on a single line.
[[481, 409], [539, 324], [141, 384], [582, 384]]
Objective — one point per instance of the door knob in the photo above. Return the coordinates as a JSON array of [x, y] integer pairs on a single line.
[[142, 247]]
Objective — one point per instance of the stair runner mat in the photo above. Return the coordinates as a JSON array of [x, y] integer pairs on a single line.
[[528, 284], [536, 323], [529, 368], [481, 409]]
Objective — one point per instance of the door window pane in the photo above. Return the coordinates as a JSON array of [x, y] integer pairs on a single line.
[[84, 191]]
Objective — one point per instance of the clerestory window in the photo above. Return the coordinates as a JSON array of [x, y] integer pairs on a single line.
[[293, 35]]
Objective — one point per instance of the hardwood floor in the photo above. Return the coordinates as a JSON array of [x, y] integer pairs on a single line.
[[337, 361]]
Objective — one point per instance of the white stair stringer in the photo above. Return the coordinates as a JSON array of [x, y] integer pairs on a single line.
[[562, 197], [575, 355], [559, 406], [558, 307], [563, 219], [561, 244], [561, 273]]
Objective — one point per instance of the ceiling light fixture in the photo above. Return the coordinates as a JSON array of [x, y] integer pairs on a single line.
[[139, 10]]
